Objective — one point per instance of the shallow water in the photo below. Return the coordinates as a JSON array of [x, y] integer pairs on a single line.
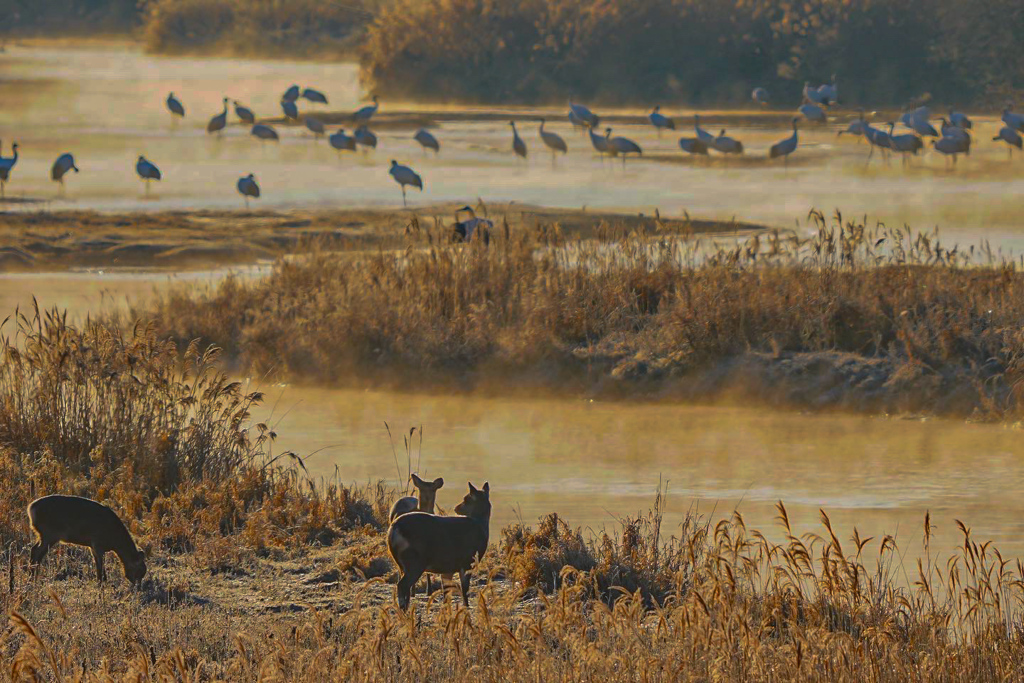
[[106, 104], [596, 462]]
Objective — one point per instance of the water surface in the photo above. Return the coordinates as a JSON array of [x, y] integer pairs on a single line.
[[106, 104]]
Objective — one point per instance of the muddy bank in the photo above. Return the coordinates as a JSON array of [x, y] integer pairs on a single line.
[[186, 240]]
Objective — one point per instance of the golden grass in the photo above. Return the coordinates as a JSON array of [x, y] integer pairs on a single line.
[[897, 321], [259, 573]]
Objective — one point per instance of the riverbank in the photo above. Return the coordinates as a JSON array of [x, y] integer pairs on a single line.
[[189, 240]]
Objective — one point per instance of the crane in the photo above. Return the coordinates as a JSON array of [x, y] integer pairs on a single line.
[[366, 113], [175, 106], [248, 187], [217, 123], [427, 141], [264, 132], [147, 170], [660, 121], [244, 113], [404, 175], [6, 166], [315, 126], [64, 163], [553, 141], [314, 96], [518, 146], [621, 146], [1010, 137], [463, 230], [785, 147]]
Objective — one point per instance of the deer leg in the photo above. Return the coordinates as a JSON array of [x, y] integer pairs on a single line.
[[37, 554], [464, 578], [406, 584], [97, 555]]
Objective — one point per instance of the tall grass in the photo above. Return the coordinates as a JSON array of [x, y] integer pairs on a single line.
[[732, 605], [895, 320], [162, 436]]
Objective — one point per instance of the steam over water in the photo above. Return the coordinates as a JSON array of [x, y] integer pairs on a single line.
[[106, 104]]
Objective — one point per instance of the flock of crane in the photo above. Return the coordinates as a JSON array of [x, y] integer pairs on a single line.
[[952, 139]]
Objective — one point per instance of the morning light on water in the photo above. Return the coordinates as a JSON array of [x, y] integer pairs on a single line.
[[400, 340]]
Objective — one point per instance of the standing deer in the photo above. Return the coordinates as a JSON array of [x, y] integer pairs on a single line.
[[425, 503], [82, 521], [421, 542]]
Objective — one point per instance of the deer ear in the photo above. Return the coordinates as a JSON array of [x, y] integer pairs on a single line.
[[472, 489], [487, 487], [416, 480], [438, 483]]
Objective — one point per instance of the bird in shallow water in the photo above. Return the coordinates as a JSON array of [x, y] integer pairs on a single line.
[[248, 187]]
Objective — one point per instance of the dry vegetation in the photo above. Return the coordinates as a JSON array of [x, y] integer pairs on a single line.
[[852, 316], [256, 28], [259, 573], [693, 51]]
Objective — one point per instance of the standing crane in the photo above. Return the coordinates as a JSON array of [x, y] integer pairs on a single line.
[[660, 121], [404, 175], [553, 141], [366, 113], [315, 126], [1010, 137], [290, 109], [427, 141], [6, 166], [340, 141], [518, 146], [365, 137], [147, 170], [785, 147], [63, 164], [217, 123], [702, 135], [248, 187], [175, 106], [244, 113], [621, 146]]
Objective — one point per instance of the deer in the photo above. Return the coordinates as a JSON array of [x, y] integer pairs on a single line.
[[85, 522], [420, 542], [425, 503]]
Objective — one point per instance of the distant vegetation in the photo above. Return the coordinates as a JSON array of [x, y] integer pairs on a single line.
[[703, 52], [694, 51], [297, 28], [66, 17], [855, 317]]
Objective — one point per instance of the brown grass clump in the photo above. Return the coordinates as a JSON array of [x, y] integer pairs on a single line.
[[854, 317]]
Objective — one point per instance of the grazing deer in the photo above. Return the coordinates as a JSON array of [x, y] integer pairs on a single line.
[[420, 542], [425, 503], [81, 521]]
